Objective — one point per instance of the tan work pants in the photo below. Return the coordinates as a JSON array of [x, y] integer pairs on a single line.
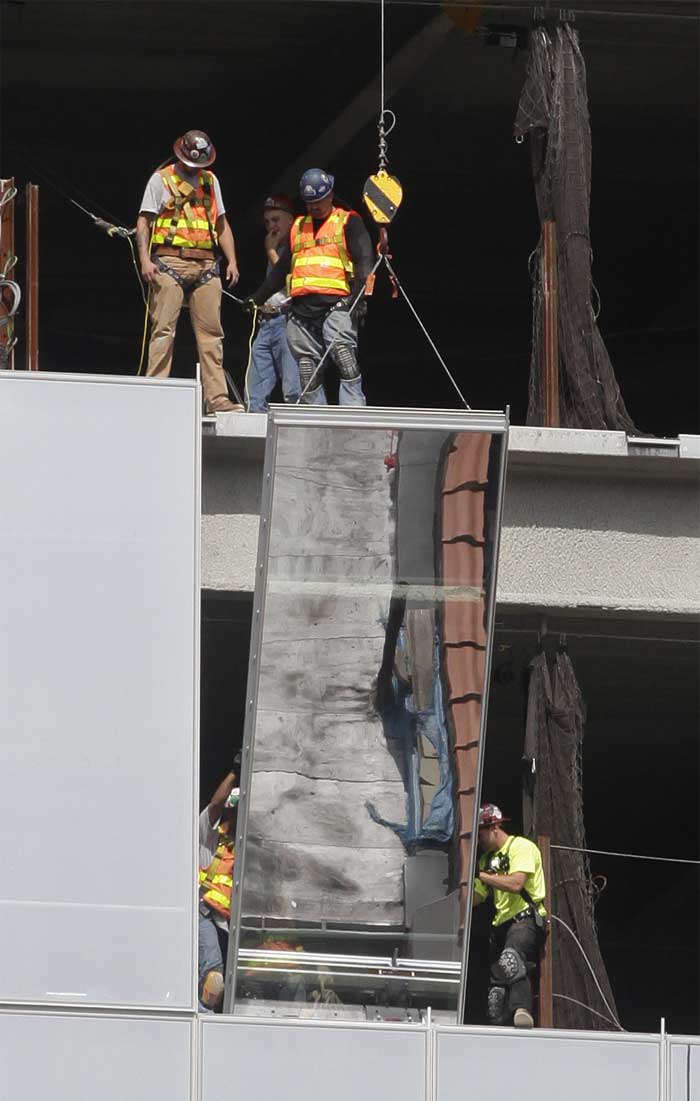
[[166, 302]]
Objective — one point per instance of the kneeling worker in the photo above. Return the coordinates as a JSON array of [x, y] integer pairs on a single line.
[[180, 229], [328, 258], [510, 868], [217, 836]]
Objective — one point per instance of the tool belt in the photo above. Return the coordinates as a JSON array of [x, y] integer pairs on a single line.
[[185, 253]]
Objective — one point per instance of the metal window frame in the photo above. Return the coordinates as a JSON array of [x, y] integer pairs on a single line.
[[381, 418]]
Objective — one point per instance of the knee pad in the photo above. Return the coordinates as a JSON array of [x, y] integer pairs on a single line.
[[347, 362], [213, 990], [496, 1005], [307, 366], [509, 967]]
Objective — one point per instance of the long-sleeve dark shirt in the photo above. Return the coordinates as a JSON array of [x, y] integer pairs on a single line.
[[359, 247]]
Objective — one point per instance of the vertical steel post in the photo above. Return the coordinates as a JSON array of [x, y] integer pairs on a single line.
[[551, 341], [7, 255], [32, 277], [546, 1000]]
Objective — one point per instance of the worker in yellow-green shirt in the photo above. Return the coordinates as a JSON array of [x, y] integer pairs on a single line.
[[510, 871]]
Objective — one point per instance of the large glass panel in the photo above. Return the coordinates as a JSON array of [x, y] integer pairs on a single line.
[[99, 531], [375, 608]]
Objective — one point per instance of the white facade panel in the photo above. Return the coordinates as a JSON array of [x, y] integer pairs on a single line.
[[99, 592], [483, 1066], [68, 1057], [298, 1062]]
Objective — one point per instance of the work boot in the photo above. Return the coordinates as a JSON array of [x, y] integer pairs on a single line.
[[223, 405], [523, 1019]]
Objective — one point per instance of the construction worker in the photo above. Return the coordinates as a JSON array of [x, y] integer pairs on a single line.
[[327, 259], [271, 360], [217, 833], [180, 230], [510, 870]]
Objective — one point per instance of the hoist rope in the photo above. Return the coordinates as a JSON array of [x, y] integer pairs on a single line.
[[427, 335]]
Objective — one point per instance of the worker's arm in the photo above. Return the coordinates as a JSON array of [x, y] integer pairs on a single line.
[[360, 249], [514, 882], [228, 247], [480, 893], [143, 244], [218, 799], [276, 279]]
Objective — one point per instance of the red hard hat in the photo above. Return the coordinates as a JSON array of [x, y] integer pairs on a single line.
[[279, 202], [491, 815], [195, 149]]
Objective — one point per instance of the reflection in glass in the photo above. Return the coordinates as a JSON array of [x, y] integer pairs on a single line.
[[368, 723]]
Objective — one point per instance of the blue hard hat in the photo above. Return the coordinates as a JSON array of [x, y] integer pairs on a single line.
[[315, 184]]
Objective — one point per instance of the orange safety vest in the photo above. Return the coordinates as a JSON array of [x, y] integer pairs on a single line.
[[188, 219], [320, 261], [216, 881]]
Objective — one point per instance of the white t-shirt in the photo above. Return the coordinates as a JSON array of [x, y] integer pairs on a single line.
[[156, 194], [208, 841]]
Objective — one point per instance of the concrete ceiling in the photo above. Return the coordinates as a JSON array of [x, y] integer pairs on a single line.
[[94, 93]]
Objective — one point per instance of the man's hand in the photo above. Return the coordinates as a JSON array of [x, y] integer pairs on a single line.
[[272, 239], [232, 274], [148, 271]]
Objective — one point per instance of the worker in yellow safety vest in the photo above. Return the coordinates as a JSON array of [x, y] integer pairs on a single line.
[[325, 264], [510, 872], [181, 231], [217, 835]]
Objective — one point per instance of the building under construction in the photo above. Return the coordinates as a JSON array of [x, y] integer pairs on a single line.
[[483, 586]]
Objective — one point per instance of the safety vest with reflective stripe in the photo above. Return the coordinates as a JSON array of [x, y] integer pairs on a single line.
[[320, 261], [216, 881], [188, 219]]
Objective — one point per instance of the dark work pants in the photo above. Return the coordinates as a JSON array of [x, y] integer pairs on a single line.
[[524, 938]]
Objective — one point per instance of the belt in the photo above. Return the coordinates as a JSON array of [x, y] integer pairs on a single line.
[[524, 915], [185, 253]]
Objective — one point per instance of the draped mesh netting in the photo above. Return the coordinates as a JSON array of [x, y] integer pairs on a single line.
[[553, 805], [553, 113]]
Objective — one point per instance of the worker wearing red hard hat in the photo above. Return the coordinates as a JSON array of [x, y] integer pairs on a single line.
[[271, 360], [510, 872], [181, 232]]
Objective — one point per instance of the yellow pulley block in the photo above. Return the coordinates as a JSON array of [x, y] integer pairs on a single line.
[[382, 195]]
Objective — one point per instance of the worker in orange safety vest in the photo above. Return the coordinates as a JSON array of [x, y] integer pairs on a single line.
[[326, 261], [180, 232], [217, 835]]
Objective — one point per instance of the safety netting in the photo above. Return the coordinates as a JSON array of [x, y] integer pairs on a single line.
[[553, 806], [553, 115]]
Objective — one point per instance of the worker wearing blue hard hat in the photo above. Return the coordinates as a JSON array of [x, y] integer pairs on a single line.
[[326, 261]]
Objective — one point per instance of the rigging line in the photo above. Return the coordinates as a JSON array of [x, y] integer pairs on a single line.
[[629, 856], [566, 998], [590, 968], [588, 634], [51, 178], [426, 333]]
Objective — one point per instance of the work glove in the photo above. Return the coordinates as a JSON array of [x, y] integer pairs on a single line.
[[249, 305]]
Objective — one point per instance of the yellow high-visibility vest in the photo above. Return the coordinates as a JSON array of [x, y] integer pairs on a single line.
[[188, 219], [216, 881]]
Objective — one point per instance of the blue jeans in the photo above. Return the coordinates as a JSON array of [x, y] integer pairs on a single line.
[[271, 362], [212, 946]]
